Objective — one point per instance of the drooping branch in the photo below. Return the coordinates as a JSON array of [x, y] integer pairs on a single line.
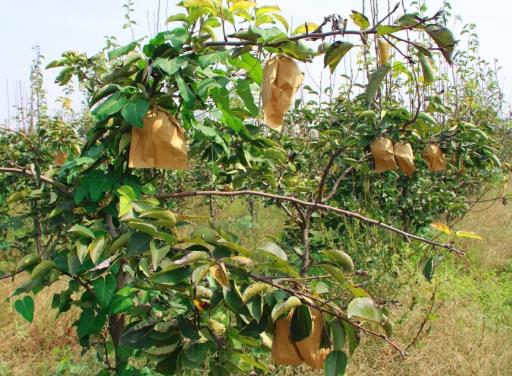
[[317, 206], [61, 187], [322, 306]]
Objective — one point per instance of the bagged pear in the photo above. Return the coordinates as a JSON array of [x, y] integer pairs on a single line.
[[284, 351], [160, 143], [281, 80], [383, 154], [433, 155], [59, 158], [404, 157], [287, 352], [309, 348]]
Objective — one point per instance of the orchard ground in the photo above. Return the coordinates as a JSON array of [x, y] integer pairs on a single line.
[[469, 331]]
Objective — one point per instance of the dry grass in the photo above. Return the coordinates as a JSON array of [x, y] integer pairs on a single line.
[[492, 221], [471, 330], [44, 347]]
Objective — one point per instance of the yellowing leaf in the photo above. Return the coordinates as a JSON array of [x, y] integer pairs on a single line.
[[220, 274], [284, 307], [360, 20], [468, 234], [198, 3], [441, 227], [267, 9], [242, 5], [306, 27]]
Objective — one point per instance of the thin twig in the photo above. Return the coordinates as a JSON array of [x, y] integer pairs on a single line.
[[11, 275], [425, 320]]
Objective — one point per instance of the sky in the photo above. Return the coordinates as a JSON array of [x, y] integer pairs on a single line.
[[61, 25]]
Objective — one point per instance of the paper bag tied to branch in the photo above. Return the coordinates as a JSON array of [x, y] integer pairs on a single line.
[[383, 154], [59, 158], [287, 352], [159, 144], [281, 80], [433, 155], [404, 157]]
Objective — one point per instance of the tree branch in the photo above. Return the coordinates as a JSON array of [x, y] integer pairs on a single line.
[[61, 187], [317, 206]]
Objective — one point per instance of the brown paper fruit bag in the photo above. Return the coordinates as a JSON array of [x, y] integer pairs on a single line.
[[384, 51], [433, 155], [159, 144], [383, 154], [309, 348], [284, 351], [404, 157], [281, 80], [59, 158]]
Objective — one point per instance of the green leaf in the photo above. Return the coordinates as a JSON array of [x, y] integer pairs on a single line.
[[171, 277], [186, 328], [25, 307], [196, 352], [338, 335], [158, 254], [185, 92], [96, 248], [104, 92], [212, 58], [135, 111], [428, 268], [272, 35], [171, 66], [179, 17], [119, 242], [360, 20], [243, 89], [64, 76], [111, 106], [255, 307], [234, 300], [388, 327], [353, 336], [426, 67], [284, 307], [364, 308], [251, 65], [273, 249], [118, 52], [335, 53], [408, 20], [120, 304], [387, 29], [82, 230], [336, 363], [42, 269], [334, 271], [444, 39], [138, 244], [340, 258], [89, 323], [301, 324], [376, 79], [104, 288]]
